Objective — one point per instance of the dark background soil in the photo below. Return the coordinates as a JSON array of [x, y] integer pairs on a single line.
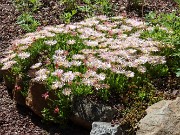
[[20, 120]]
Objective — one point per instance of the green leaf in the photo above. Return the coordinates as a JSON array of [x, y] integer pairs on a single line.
[[178, 73]]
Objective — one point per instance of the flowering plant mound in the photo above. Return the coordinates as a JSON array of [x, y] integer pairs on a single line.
[[99, 56]]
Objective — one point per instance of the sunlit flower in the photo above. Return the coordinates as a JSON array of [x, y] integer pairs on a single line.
[[101, 39], [76, 63], [65, 63], [60, 25], [109, 24], [101, 86], [89, 81], [59, 52], [129, 74], [101, 76], [89, 73], [68, 76], [23, 41], [41, 75], [4, 60], [57, 72], [47, 33], [39, 36], [50, 42], [77, 74], [42, 71], [164, 28], [153, 49], [126, 28], [131, 51], [83, 36], [135, 23], [118, 70], [24, 55], [8, 64], [88, 51], [102, 45], [37, 65], [115, 31], [8, 52], [117, 17], [157, 60], [71, 27], [91, 43], [102, 27], [105, 65], [22, 48], [78, 57], [162, 60], [142, 59], [71, 42], [57, 84], [141, 69], [122, 36], [53, 29], [66, 91], [114, 46], [40, 78], [102, 17], [90, 22]]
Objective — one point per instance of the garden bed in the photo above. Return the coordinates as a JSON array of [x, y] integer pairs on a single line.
[[112, 100], [97, 57]]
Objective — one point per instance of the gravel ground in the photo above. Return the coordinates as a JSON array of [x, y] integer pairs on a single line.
[[17, 119], [20, 120]]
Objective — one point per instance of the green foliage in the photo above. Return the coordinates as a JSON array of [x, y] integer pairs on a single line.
[[158, 70], [178, 2], [135, 2], [24, 84], [178, 72], [27, 5], [47, 115], [27, 22], [69, 4], [81, 90], [135, 102], [166, 29], [103, 6], [67, 16], [85, 8], [71, 8]]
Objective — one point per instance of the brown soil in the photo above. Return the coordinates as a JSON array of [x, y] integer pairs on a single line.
[[20, 120]]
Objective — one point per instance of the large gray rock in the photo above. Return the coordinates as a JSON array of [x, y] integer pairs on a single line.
[[105, 128], [163, 118], [87, 111]]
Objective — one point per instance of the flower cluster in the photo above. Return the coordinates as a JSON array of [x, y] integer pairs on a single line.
[[41, 75], [99, 55], [50, 42], [105, 49]]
